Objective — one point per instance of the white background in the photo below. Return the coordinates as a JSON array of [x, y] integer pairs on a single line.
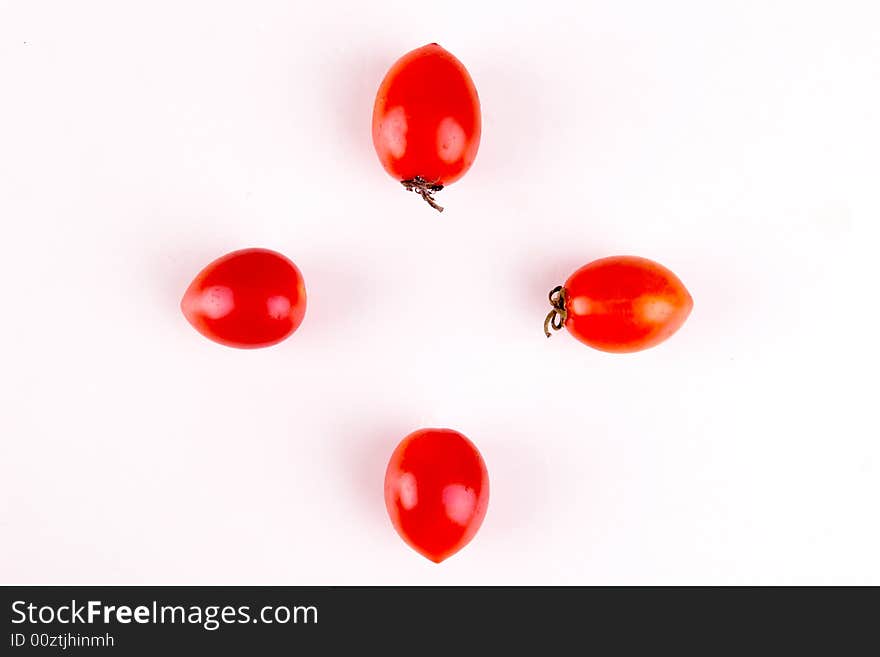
[[736, 142]]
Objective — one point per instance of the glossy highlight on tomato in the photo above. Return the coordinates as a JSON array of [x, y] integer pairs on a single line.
[[426, 121], [436, 491], [247, 299], [620, 304]]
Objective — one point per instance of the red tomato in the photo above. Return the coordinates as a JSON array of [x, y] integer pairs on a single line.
[[436, 491], [249, 298], [426, 121], [620, 304]]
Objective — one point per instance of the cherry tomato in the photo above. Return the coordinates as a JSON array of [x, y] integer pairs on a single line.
[[620, 304], [249, 298], [436, 491], [426, 121]]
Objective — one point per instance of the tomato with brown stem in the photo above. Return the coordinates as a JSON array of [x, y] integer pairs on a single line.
[[426, 121], [620, 304]]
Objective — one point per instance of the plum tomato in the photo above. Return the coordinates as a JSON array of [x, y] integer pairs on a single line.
[[620, 304], [246, 299], [426, 121], [436, 491]]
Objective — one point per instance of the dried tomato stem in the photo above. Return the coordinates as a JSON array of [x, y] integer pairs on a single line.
[[556, 318], [424, 189]]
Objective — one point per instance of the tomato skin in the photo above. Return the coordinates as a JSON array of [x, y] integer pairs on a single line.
[[247, 299], [623, 304], [426, 118], [436, 491]]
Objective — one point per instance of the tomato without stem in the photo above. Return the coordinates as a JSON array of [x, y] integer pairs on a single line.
[[436, 491], [426, 121], [620, 304], [247, 299]]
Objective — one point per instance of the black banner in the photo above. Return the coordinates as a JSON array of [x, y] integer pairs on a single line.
[[412, 620]]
